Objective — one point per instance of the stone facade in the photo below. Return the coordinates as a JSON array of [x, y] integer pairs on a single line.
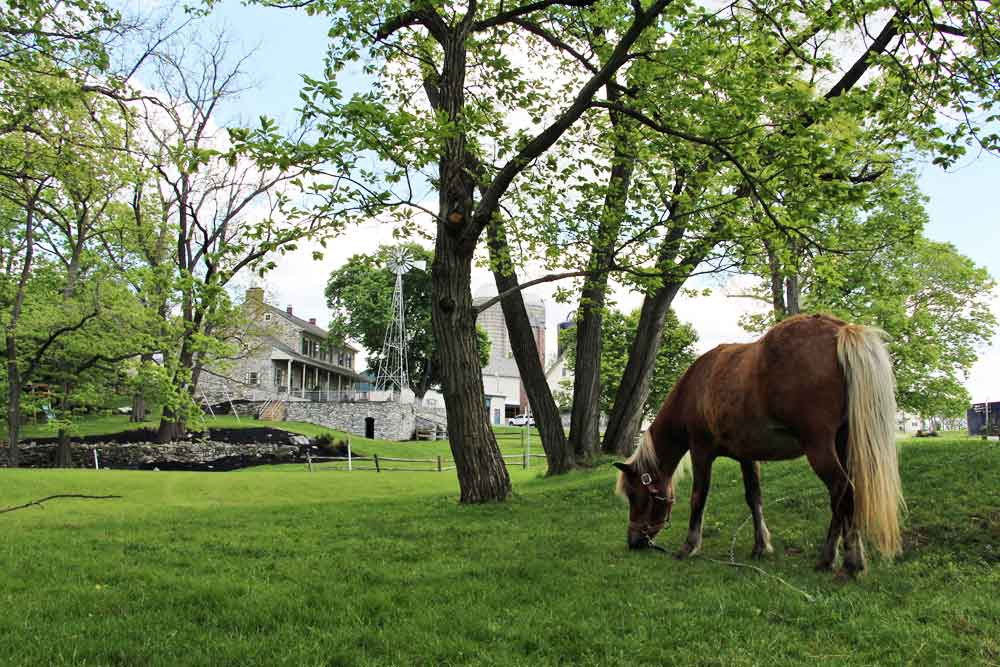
[[284, 358], [393, 421]]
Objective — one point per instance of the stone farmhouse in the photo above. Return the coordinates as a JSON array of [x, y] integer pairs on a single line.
[[284, 358], [284, 370]]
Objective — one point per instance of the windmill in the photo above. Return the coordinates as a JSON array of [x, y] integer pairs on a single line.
[[392, 367]]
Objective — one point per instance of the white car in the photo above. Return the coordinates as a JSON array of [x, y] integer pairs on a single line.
[[521, 420]]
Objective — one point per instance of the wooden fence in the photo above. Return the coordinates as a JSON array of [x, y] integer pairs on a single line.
[[386, 463], [378, 463]]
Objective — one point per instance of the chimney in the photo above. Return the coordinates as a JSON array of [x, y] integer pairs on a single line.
[[254, 295], [312, 321], [289, 309]]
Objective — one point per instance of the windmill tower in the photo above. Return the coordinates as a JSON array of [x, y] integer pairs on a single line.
[[393, 372]]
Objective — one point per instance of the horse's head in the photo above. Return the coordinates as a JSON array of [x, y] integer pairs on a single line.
[[650, 499]]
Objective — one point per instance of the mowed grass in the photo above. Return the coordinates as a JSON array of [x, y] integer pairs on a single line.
[[273, 568]]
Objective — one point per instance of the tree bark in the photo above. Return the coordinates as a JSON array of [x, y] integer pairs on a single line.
[[633, 391], [777, 289], [64, 458], [14, 379], [792, 294], [482, 474], [626, 414], [543, 406], [585, 420]]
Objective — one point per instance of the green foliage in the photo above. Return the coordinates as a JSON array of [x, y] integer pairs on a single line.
[[360, 295], [675, 355], [934, 303]]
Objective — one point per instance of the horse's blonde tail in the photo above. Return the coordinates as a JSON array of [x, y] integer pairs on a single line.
[[871, 447]]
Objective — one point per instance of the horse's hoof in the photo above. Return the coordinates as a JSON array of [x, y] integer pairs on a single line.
[[686, 551], [824, 566]]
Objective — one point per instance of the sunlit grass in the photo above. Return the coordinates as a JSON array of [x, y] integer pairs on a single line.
[[270, 568]]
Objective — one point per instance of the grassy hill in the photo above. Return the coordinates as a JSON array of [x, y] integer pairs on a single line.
[[289, 568]]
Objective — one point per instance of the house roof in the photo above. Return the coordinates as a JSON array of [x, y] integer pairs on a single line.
[[306, 325], [296, 356]]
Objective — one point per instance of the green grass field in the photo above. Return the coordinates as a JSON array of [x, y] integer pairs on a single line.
[[266, 567]]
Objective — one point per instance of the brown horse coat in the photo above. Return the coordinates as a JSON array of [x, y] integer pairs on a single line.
[[812, 385]]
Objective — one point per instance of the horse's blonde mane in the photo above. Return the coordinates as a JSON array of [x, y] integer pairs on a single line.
[[644, 459]]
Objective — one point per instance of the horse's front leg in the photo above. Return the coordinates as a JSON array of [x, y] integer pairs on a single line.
[[702, 479], [751, 486]]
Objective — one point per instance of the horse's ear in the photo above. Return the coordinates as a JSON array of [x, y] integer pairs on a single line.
[[624, 467]]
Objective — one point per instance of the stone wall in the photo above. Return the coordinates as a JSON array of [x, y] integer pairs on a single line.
[[204, 455], [393, 421]]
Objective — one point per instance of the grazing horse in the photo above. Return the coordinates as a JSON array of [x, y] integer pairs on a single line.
[[812, 385]]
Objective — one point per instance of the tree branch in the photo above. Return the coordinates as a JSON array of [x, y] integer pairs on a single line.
[[38, 503]]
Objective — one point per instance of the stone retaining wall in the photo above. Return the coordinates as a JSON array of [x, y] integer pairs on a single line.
[[207, 455], [393, 421]]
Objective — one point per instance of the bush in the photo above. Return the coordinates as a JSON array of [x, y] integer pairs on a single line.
[[328, 444]]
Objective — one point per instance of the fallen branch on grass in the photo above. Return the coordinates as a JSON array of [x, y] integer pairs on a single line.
[[38, 503]]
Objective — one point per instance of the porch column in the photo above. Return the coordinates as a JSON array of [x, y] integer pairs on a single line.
[[289, 378]]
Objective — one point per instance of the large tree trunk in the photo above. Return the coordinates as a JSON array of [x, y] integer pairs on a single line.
[[585, 420], [522, 339], [482, 475], [626, 414]]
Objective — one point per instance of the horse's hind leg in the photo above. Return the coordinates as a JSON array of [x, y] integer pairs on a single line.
[[751, 485], [701, 465], [823, 459], [854, 551]]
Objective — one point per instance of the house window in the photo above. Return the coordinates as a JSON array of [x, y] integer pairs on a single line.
[[252, 379], [267, 317]]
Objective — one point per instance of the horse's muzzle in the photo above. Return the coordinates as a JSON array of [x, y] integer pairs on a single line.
[[638, 542]]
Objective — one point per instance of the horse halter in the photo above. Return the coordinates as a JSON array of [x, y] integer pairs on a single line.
[[649, 530]]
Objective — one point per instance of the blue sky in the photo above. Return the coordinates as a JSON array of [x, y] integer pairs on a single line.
[[963, 203]]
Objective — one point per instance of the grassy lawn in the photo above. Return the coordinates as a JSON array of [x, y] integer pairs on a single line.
[[271, 568]]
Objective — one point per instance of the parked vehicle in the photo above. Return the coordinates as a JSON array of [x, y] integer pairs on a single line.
[[521, 420]]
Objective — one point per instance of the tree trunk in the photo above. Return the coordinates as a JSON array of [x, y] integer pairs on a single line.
[[138, 408], [777, 290], [522, 339], [585, 420], [792, 291], [13, 400], [171, 428], [64, 457], [482, 475], [626, 414]]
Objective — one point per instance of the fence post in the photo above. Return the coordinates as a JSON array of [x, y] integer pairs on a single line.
[[524, 459], [350, 467], [439, 463], [97, 462], [309, 459], [377, 468]]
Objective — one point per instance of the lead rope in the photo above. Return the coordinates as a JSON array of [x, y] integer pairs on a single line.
[[734, 563]]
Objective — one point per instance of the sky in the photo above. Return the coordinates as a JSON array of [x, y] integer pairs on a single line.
[[962, 203]]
